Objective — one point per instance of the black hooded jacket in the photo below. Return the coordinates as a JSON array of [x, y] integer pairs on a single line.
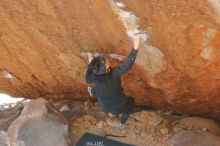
[[108, 90]]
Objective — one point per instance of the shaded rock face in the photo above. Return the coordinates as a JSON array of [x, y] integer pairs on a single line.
[[3, 138], [194, 138], [39, 124], [43, 45]]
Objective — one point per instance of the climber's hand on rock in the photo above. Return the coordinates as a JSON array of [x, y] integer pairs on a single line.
[[90, 57], [136, 41]]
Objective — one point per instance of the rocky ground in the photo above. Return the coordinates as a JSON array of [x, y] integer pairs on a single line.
[[145, 127]]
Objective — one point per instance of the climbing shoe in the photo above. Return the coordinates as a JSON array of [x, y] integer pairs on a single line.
[[121, 126]]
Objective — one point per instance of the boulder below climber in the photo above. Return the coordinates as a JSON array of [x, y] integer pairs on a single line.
[[39, 125], [197, 123], [194, 138], [3, 138]]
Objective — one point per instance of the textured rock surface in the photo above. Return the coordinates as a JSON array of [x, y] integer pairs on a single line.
[[39, 124], [149, 118], [3, 138], [194, 138], [196, 123], [43, 46]]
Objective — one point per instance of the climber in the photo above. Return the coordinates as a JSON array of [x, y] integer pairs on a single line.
[[108, 90]]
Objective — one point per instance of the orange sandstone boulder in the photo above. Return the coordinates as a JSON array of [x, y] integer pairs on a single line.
[[43, 46]]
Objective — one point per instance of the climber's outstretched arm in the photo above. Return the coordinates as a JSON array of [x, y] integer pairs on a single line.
[[130, 59]]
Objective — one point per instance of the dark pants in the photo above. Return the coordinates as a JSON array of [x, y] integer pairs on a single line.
[[127, 110]]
